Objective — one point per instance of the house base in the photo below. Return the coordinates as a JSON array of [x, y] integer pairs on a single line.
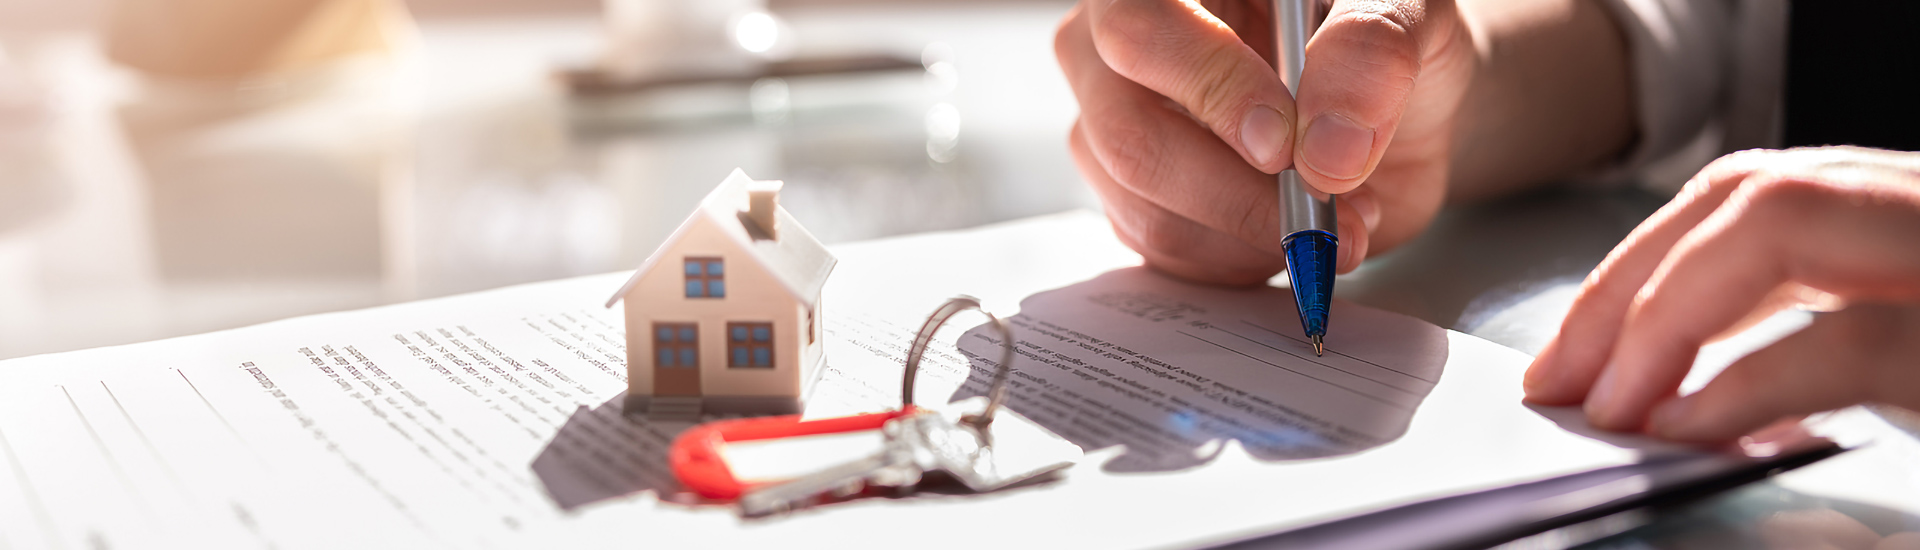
[[691, 407]]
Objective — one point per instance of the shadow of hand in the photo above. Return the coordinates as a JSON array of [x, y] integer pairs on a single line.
[[1171, 371]]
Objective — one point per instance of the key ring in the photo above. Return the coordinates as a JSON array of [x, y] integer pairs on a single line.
[[997, 393]]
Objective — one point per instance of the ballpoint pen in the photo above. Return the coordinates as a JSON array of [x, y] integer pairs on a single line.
[[1307, 223]]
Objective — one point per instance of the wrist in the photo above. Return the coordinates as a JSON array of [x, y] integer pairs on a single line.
[[1551, 95]]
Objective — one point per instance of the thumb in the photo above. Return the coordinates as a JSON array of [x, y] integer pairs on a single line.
[[1361, 68]]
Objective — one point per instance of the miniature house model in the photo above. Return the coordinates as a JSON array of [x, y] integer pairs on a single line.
[[723, 318]]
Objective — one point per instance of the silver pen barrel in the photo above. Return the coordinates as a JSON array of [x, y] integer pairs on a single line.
[[1293, 23]]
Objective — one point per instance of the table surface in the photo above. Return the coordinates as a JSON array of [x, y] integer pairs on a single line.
[[135, 210]]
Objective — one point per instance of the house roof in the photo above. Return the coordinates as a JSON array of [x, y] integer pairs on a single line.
[[796, 259]]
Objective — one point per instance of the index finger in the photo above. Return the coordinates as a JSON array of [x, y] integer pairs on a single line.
[[1565, 370], [1184, 52], [1768, 233]]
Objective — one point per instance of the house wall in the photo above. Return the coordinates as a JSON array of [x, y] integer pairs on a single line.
[[811, 353], [753, 294]]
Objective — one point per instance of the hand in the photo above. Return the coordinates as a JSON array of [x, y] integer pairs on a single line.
[[1183, 121], [1827, 528], [1752, 233]]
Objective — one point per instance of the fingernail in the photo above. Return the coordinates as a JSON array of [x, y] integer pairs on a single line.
[[1337, 146], [1670, 417], [1368, 208], [1262, 132]]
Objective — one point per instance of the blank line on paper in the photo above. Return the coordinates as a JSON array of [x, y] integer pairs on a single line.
[[1337, 352], [1355, 391]]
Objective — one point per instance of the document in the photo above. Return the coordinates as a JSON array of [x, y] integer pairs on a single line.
[[493, 420]]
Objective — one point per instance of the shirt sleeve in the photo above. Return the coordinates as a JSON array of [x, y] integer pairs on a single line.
[[1707, 76]]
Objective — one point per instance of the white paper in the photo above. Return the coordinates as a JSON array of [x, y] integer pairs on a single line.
[[492, 420]]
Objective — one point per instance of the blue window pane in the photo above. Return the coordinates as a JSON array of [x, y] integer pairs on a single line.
[[715, 268], [693, 267], [686, 358], [762, 357], [666, 358], [693, 289], [686, 334], [663, 334], [762, 334], [739, 356], [739, 334], [717, 289]]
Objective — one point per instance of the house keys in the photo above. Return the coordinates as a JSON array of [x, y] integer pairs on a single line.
[[985, 450]]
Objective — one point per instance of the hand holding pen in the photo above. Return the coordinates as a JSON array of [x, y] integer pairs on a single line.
[[1185, 121], [1308, 232]]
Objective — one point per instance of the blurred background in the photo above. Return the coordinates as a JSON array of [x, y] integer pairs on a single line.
[[169, 167]]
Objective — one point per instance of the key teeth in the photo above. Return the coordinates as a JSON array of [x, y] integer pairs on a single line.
[[918, 446], [848, 490], [751, 511]]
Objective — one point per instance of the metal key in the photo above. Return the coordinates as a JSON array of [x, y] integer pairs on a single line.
[[989, 450], [1009, 451], [893, 466]]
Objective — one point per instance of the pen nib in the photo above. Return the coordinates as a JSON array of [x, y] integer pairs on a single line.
[[1319, 349]]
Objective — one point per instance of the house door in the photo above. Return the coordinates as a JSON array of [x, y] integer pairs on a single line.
[[676, 359]]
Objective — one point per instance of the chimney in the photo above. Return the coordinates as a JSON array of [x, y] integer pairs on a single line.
[[763, 199]]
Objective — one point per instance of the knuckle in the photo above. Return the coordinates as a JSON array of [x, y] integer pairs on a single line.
[[1218, 90], [1379, 23], [1597, 287], [1204, 76], [1776, 197], [1730, 168], [1125, 31], [1606, 284], [1592, 286], [1133, 157], [1389, 54], [1696, 188], [1399, 14]]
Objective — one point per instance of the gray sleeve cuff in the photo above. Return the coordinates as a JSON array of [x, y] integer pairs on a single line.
[[1678, 50]]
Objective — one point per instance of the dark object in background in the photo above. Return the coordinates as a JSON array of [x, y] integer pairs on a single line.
[[594, 82], [1853, 74]]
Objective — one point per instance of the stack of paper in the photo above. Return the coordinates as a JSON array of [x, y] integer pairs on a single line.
[[492, 419]]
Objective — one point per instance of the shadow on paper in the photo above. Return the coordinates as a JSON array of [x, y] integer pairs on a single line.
[[602, 454], [1170, 371]]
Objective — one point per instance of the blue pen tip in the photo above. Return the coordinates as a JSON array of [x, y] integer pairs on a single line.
[[1310, 262]]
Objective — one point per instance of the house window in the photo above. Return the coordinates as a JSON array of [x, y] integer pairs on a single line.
[[676, 345], [706, 278], [750, 345]]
